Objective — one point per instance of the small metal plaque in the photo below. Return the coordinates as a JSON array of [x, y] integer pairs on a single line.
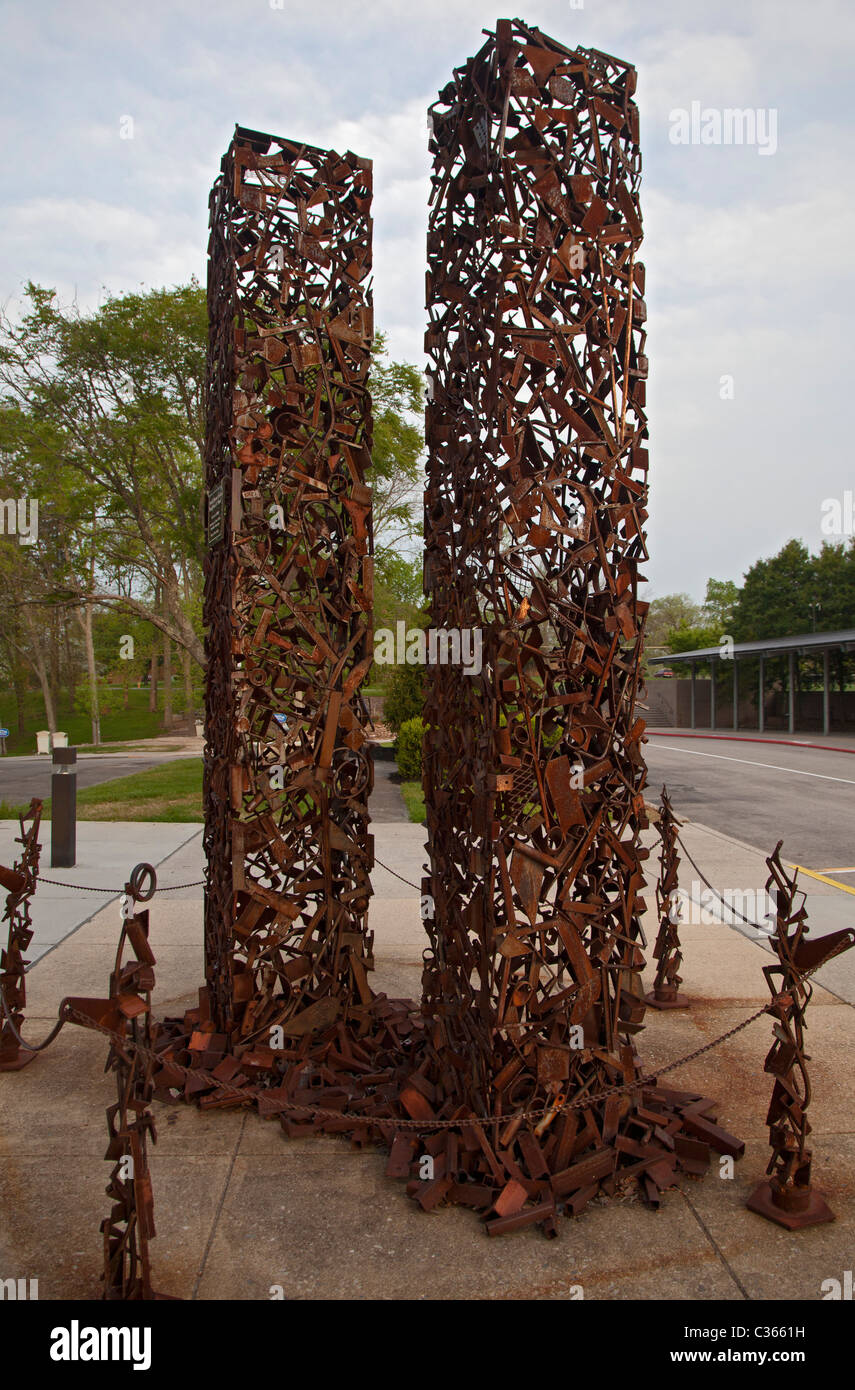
[[216, 513]]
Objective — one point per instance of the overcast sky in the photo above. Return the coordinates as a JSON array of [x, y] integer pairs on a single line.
[[749, 255]]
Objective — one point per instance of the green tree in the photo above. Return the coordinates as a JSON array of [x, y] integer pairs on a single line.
[[404, 699], [397, 403], [30, 579], [106, 410], [777, 595], [115, 398], [692, 639], [716, 618], [14, 667], [123, 646], [720, 603], [669, 611], [398, 598], [834, 587], [408, 749]]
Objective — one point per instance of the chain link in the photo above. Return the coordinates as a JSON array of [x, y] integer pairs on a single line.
[[199, 883], [390, 1121], [726, 906], [395, 874], [89, 888], [423, 1126], [10, 1024]]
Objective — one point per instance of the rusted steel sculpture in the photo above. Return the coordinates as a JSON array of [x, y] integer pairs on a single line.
[[534, 773], [126, 1016], [666, 986], [288, 594], [786, 1195], [20, 885], [534, 517]]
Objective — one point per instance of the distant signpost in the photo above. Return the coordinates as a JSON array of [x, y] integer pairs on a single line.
[[4, 734]]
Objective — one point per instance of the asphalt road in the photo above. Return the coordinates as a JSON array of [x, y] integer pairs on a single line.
[[757, 793], [22, 778], [762, 793]]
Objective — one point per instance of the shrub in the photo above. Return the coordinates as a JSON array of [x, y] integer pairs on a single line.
[[408, 749], [404, 697]]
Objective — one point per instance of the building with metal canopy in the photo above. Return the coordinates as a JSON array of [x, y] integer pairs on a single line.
[[811, 644]]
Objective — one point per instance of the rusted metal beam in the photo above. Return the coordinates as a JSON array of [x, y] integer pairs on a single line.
[[20, 884], [666, 986], [127, 1017]]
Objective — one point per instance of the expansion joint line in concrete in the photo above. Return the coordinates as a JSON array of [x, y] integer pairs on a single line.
[[217, 1214], [720, 1255]]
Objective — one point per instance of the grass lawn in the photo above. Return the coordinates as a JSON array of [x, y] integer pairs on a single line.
[[117, 723], [171, 792], [414, 800]]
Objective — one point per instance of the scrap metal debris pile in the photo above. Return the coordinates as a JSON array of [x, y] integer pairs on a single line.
[[518, 1076]]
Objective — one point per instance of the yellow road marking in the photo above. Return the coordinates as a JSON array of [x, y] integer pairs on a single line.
[[836, 871], [811, 873]]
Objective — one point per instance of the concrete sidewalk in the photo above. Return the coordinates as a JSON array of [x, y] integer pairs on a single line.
[[106, 853], [738, 873], [240, 1209]]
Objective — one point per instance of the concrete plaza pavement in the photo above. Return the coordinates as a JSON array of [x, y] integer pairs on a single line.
[[106, 853], [240, 1210]]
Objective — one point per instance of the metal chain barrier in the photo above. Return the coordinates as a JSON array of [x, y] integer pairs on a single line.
[[28, 1047], [198, 883], [134, 892], [70, 1015], [89, 888], [580, 1102], [395, 874]]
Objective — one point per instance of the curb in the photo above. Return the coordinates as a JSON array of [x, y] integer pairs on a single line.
[[742, 738]]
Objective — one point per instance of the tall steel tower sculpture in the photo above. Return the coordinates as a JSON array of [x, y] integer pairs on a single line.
[[288, 588], [519, 1079], [534, 527]]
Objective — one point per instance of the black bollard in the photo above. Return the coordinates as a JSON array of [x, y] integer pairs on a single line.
[[63, 828]]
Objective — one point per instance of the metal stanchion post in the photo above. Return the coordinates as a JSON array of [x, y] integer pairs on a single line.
[[63, 832]]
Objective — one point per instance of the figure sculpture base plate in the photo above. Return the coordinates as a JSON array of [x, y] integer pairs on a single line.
[[816, 1213], [678, 1002]]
